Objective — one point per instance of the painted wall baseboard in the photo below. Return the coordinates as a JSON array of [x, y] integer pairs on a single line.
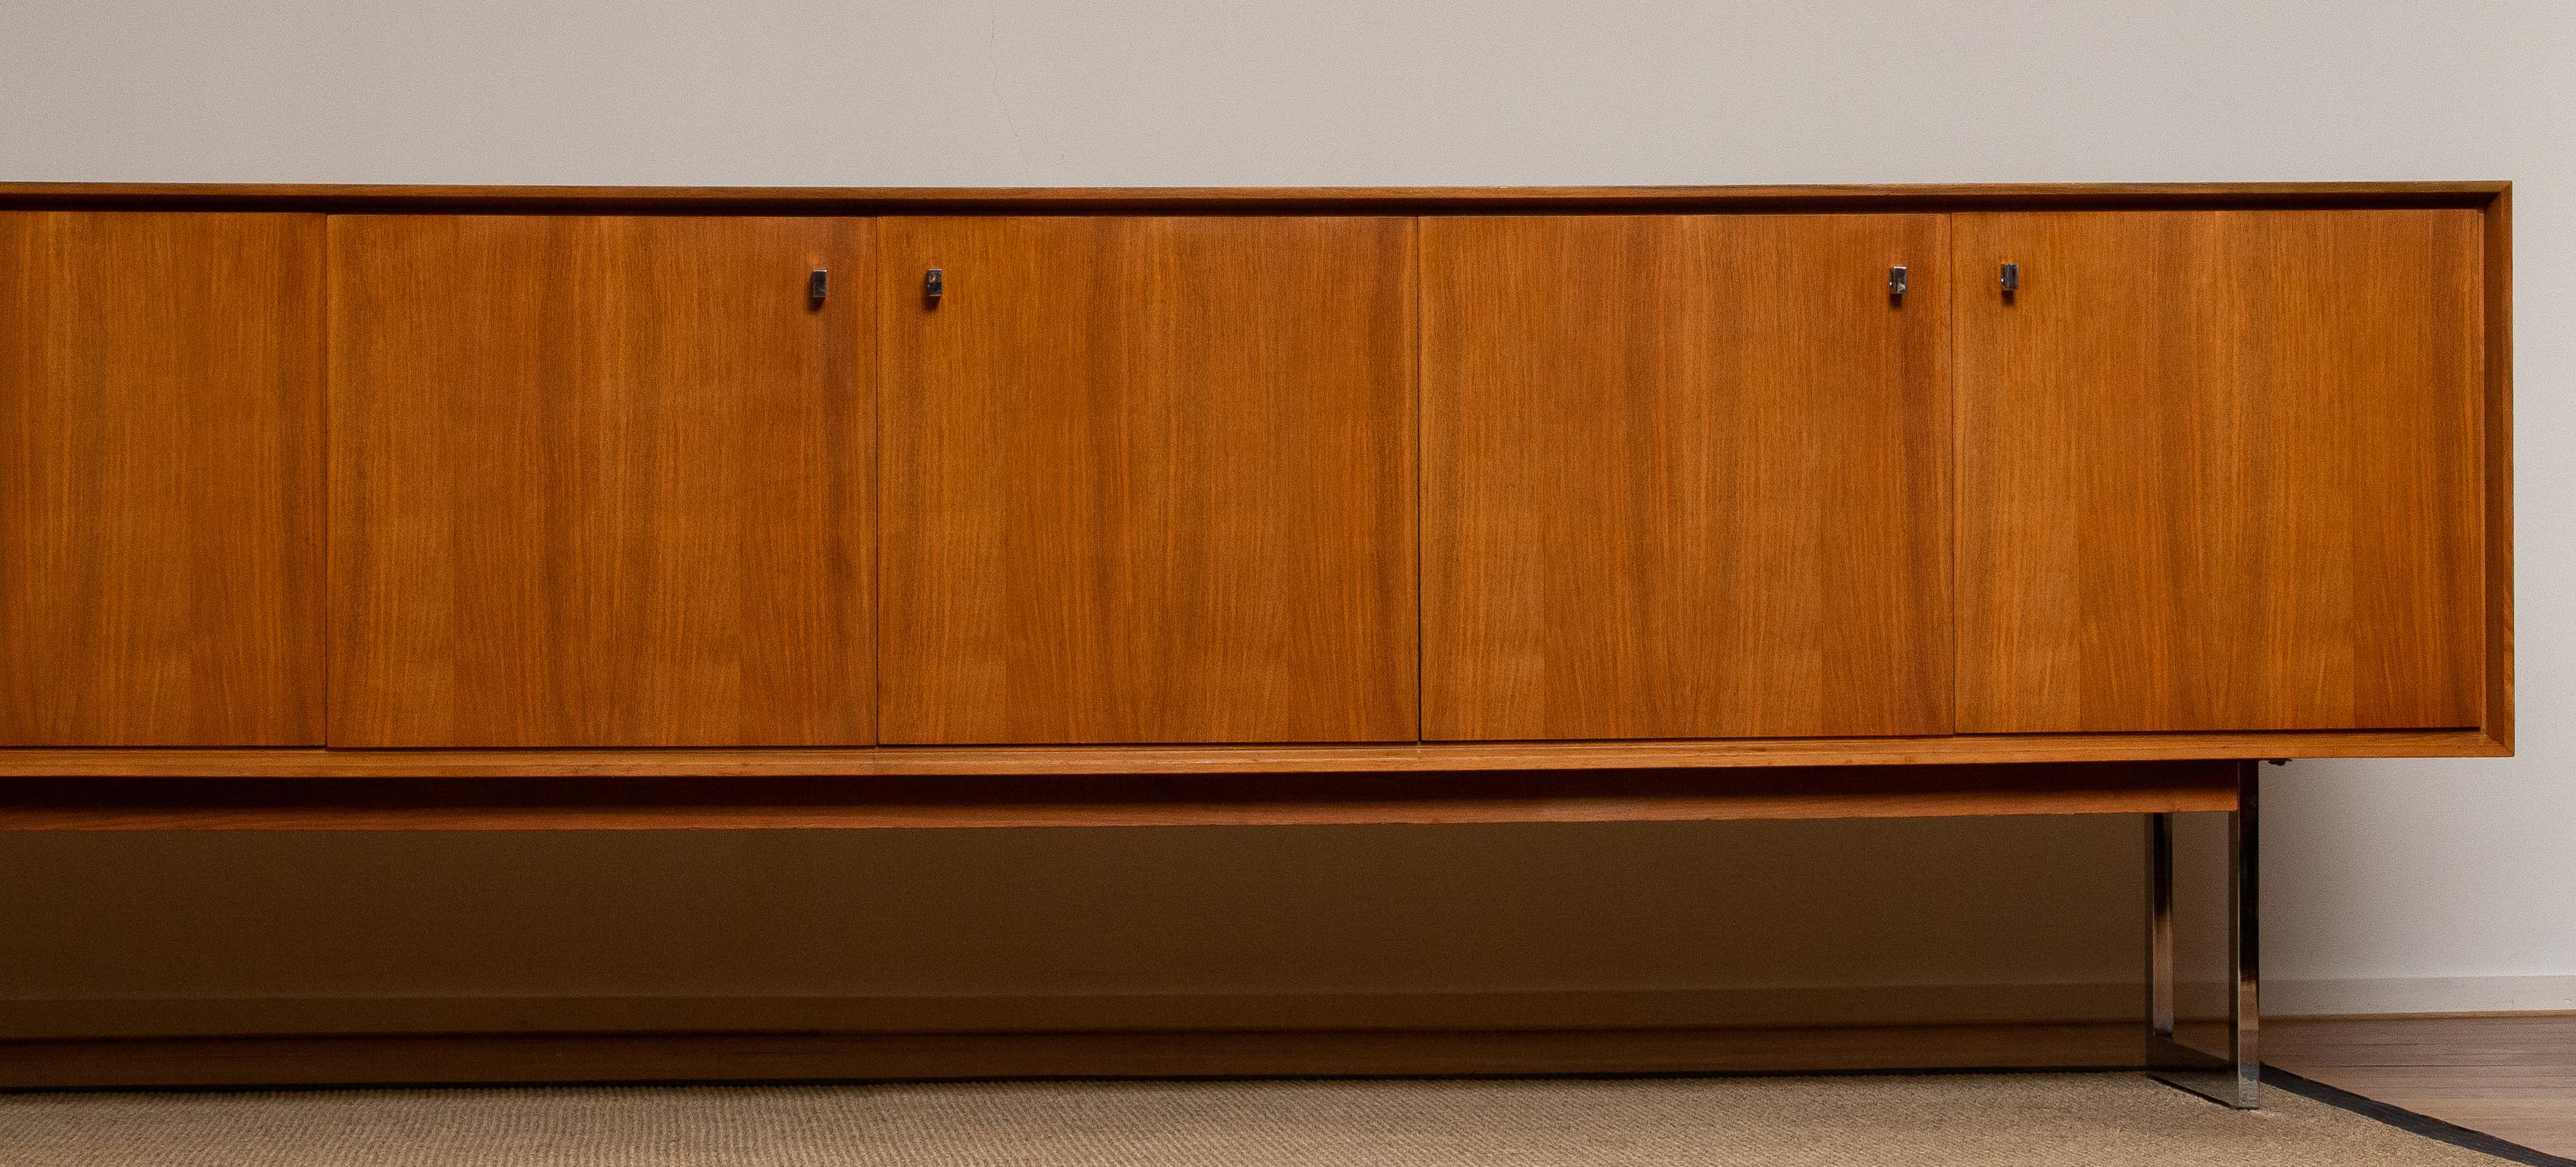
[[2385, 995], [1774, 1006]]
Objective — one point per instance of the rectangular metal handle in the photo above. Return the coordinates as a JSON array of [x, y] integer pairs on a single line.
[[1896, 280], [930, 286], [2012, 278]]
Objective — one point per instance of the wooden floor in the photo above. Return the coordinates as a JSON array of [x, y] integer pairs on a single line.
[[2512, 1077]]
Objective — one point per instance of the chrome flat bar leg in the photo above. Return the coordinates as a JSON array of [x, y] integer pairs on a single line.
[[2245, 941], [2235, 1076], [2160, 967]]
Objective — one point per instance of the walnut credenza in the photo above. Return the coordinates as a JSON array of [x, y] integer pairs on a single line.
[[571, 507]]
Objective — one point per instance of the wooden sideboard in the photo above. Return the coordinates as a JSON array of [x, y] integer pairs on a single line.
[[307, 482], [489, 508]]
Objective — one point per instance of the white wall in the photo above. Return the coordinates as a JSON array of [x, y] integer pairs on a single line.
[[2391, 885]]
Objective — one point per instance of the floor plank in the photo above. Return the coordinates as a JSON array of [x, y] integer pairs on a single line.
[[2513, 1077]]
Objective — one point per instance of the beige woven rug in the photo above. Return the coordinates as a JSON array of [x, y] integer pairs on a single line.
[[2095, 1120]]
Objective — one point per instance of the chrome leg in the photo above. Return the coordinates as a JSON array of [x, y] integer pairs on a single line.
[[2235, 1076], [2160, 966]]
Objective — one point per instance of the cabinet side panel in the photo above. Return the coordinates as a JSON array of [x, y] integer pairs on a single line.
[[2496, 279]]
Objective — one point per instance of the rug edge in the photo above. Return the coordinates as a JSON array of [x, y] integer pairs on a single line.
[[2411, 1122]]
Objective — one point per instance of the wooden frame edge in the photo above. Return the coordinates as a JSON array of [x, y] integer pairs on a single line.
[[354, 198], [2497, 273]]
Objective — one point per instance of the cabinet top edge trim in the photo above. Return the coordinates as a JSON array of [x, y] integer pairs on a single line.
[[1233, 200], [1239, 759]]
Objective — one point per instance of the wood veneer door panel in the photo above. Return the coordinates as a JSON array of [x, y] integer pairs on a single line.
[[601, 481], [1685, 476], [1149, 480], [160, 479], [2220, 470]]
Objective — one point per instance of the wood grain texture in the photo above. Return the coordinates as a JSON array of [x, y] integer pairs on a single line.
[[1685, 476], [2221, 470], [1149, 480], [1238, 200], [949, 801], [600, 481], [1270, 759], [2511, 1076], [161, 531]]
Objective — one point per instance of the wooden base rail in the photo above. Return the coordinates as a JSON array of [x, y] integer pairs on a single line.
[[789, 200], [525, 803]]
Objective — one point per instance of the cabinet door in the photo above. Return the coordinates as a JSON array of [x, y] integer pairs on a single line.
[[1685, 476], [160, 479], [1149, 480], [2219, 471], [600, 482]]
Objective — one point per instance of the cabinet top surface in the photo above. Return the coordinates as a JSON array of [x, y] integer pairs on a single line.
[[963, 200]]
